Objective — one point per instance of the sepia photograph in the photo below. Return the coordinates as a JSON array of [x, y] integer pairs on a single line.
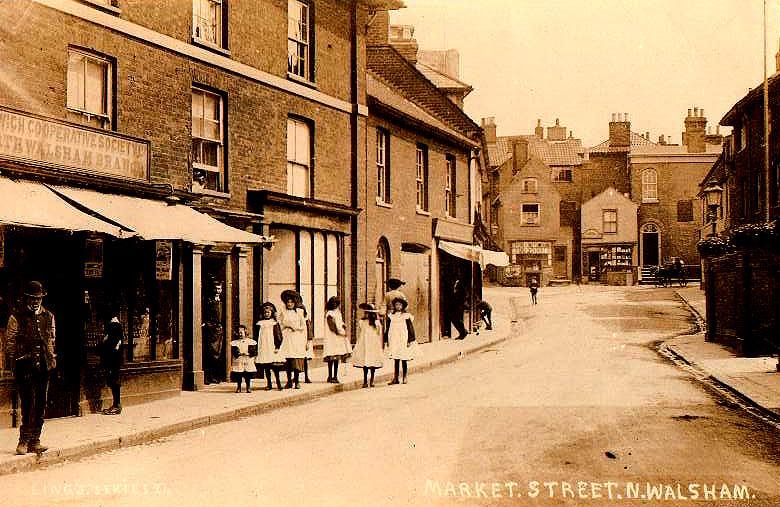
[[368, 253]]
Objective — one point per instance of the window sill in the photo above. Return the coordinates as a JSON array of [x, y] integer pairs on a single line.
[[649, 201], [301, 80], [530, 225], [211, 193], [423, 212], [103, 7], [383, 204], [210, 46]]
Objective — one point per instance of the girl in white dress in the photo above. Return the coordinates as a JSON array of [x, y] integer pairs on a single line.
[[269, 339], [336, 346], [400, 338], [244, 350], [293, 324], [309, 344], [368, 348]]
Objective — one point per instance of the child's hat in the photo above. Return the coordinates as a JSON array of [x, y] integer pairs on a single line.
[[289, 294], [404, 303], [368, 307]]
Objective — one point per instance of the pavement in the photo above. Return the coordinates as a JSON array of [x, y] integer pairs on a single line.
[[755, 379], [71, 438]]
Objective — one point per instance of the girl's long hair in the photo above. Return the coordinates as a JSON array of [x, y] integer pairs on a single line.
[[372, 319]]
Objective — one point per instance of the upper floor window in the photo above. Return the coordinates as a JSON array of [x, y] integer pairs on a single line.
[[299, 145], [450, 195], [563, 174], [299, 39], [90, 89], [530, 186], [421, 177], [529, 214], [208, 22], [743, 133], [382, 166], [610, 221], [208, 127], [649, 185]]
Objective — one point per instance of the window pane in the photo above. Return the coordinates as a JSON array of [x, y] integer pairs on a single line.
[[290, 139], [197, 114], [333, 261], [94, 96], [282, 259], [76, 81], [301, 177], [305, 260], [211, 130], [302, 143], [319, 284]]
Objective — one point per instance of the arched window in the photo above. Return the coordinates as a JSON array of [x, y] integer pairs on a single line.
[[382, 268], [649, 185]]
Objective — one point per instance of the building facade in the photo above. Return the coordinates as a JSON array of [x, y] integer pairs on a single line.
[[186, 134]]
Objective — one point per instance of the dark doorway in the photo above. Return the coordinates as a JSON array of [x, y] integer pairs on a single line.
[[215, 332], [594, 266], [649, 248]]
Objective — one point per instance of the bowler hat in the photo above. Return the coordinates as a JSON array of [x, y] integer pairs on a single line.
[[34, 289]]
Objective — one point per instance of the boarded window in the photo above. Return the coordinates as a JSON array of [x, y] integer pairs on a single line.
[[685, 211]]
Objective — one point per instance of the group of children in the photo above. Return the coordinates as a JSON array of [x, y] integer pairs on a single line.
[[284, 341]]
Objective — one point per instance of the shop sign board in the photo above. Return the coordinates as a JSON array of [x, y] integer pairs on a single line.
[[29, 138], [534, 248], [164, 259], [93, 258]]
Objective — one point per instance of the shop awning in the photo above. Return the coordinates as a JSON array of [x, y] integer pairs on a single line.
[[30, 204], [474, 253], [152, 219]]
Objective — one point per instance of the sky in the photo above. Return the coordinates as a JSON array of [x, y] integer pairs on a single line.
[[582, 60]]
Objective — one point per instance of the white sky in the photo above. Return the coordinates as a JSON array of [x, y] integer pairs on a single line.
[[582, 60]]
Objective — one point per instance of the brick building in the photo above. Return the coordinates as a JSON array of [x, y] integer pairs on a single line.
[[421, 181], [171, 138], [741, 259]]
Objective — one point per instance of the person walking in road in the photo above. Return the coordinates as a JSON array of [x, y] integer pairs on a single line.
[[30, 350], [400, 338], [336, 346], [269, 340], [292, 320], [534, 286], [368, 348], [111, 355], [244, 351]]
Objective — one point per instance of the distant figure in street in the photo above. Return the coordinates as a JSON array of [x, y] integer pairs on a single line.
[[534, 286], [336, 346], [400, 338], [30, 337], [456, 302], [368, 348], [244, 351], [292, 320], [269, 340], [111, 355], [485, 313]]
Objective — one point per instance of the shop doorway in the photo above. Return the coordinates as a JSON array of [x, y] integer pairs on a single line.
[[415, 271], [53, 258], [650, 245], [215, 331], [560, 264], [594, 266]]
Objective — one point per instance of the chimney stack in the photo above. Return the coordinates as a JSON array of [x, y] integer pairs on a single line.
[[695, 131], [661, 140], [379, 30], [402, 39], [556, 133], [620, 131], [539, 130], [489, 127], [519, 153]]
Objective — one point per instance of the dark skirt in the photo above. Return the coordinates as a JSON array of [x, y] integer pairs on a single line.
[[295, 363]]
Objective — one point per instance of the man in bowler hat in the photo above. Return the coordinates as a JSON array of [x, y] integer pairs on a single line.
[[30, 351]]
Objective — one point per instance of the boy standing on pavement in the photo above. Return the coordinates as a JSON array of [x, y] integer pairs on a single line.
[[30, 351]]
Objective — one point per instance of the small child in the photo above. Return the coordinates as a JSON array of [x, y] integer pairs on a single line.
[[269, 340], [336, 346], [368, 349], [534, 286], [244, 350], [400, 338], [293, 324]]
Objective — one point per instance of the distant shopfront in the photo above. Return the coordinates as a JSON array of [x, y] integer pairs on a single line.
[[529, 260]]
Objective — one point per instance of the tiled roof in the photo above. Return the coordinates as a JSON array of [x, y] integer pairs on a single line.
[[673, 149], [636, 140], [552, 153], [440, 79], [384, 93], [397, 72]]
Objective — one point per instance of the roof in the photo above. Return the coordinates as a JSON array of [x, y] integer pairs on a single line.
[[673, 149], [388, 96], [441, 79], [552, 153], [397, 72], [635, 140], [754, 94]]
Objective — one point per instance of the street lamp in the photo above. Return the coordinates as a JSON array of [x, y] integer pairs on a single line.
[[712, 195]]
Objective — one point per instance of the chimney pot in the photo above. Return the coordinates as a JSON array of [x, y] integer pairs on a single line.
[[625, 117], [690, 113], [701, 113], [613, 117], [717, 129], [557, 122]]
